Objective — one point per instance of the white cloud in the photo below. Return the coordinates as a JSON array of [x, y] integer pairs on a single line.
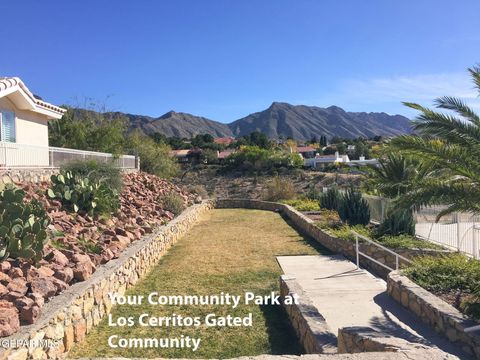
[[386, 94]]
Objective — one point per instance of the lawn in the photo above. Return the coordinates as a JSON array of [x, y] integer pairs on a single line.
[[229, 250]]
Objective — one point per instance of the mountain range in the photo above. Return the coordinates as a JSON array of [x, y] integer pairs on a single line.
[[284, 120]]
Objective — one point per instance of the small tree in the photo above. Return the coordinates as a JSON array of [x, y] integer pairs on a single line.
[[353, 209]]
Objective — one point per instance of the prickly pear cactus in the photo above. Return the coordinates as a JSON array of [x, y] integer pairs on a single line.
[[22, 225], [79, 193]]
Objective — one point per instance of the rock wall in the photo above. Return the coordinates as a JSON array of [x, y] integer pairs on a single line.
[[309, 325], [357, 339], [432, 310], [347, 248], [68, 317], [26, 175]]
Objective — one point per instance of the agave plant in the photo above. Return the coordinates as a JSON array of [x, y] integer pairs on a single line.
[[448, 142]]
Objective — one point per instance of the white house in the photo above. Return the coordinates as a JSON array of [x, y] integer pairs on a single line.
[[320, 161], [24, 125]]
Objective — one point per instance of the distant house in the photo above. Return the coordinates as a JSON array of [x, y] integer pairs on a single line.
[[224, 140], [307, 152], [24, 124], [222, 155], [187, 155], [320, 161], [351, 149]]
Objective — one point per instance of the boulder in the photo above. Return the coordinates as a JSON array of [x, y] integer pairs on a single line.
[[9, 320], [57, 257], [18, 285], [44, 286]]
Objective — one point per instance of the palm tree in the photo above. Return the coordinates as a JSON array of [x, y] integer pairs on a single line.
[[395, 174], [448, 143]]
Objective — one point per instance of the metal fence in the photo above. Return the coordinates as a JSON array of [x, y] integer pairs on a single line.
[[13, 155], [456, 231]]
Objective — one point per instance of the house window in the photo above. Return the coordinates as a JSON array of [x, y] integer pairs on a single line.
[[7, 126]]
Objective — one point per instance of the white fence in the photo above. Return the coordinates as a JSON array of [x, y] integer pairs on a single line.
[[457, 231], [13, 155]]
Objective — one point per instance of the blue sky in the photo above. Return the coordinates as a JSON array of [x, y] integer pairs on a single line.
[[224, 59]]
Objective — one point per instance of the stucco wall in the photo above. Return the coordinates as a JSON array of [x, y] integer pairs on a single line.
[[31, 129]]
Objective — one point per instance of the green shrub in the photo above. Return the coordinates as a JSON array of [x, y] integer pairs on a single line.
[[254, 158], [22, 226], [405, 241], [279, 189], [154, 158], [330, 199], [81, 194], [397, 222], [303, 204], [173, 202], [96, 171], [344, 231], [445, 273], [353, 209]]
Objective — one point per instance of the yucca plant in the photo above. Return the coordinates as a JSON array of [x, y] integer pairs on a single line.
[[353, 209], [330, 199], [448, 143]]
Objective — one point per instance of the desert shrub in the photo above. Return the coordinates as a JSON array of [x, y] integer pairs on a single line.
[[312, 192], [353, 209], [330, 199], [279, 189], [303, 204], [397, 222], [80, 194], [155, 158], [199, 190], [96, 171], [173, 202], [22, 226]]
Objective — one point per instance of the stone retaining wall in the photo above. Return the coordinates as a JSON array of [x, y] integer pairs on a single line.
[[309, 325], [435, 312], [347, 248], [68, 317], [26, 175], [359, 339]]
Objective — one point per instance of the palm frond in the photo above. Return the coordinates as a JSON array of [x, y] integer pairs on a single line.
[[458, 106], [475, 74]]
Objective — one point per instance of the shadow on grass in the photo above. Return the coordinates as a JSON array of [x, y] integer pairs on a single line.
[[307, 239], [281, 336]]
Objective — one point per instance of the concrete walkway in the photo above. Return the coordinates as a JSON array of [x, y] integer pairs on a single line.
[[346, 296]]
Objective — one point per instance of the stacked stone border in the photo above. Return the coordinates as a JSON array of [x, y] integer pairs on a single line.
[[309, 325], [432, 310], [17, 176], [359, 339], [67, 318], [35, 175], [340, 246]]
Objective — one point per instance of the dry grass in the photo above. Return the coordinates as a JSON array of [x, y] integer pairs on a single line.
[[230, 250]]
